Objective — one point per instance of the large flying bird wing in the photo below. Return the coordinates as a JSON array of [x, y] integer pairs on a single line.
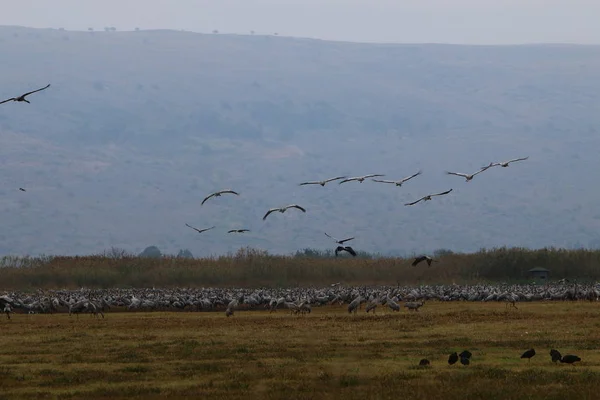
[[345, 240], [310, 183], [412, 176], [199, 230], [415, 202], [517, 159], [207, 197], [350, 250], [33, 91], [457, 174], [269, 212], [382, 181], [371, 176], [442, 193], [295, 206], [348, 180], [7, 100], [334, 179], [229, 191]]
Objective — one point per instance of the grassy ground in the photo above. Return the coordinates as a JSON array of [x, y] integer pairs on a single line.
[[327, 354]]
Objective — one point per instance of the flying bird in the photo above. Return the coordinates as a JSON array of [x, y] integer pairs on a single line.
[[428, 197], [218, 194], [282, 209], [469, 177], [346, 248], [22, 190], [339, 241], [423, 258], [22, 97], [238, 230], [528, 354], [322, 183], [505, 163], [199, 230], [360, 178], [400, 182]]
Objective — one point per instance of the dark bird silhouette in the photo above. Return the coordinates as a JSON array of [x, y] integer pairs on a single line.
[[339, 241], [453, 358], [22, 97], [360, 178], [505, 163], [470, 177], [424, 361], [400, 182], [238, 230], [428, 197], [22, 190], [528, 354], [199, 230], [282, 209], [555, 354], [569, 359], [465, 361], [465, 354], [323, 182], [218, 194], [423, 258], [347, 249]]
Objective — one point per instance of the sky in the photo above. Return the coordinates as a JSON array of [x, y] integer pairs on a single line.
[[389, 21]]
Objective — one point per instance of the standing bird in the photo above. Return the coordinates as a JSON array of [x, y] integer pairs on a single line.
[[465, 361], [555, 354], [360, 178], [339, 241], [424, 362], [400, 182], [528, 354], [465, 354], [322, 183], [238, 230], [469, 177], [199, 230], [347, 249], [22, 97], [569, 359], [282, 209], [504, 164], [423, 258], [218, 194], [428, 197], [453, 358]]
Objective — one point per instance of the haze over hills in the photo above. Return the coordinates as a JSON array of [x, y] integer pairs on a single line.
[[138, 127]]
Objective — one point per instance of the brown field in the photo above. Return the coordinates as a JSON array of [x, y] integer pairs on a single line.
[[327, 354]]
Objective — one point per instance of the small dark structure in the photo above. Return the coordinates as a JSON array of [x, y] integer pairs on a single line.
[[539, 273]]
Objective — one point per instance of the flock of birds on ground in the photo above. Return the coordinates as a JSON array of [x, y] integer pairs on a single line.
[[295, 300], [341, 179]]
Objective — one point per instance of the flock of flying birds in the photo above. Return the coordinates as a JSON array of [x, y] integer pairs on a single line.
[[342, 179]]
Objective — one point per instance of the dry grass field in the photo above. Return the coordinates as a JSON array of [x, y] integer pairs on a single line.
[[327, 354]]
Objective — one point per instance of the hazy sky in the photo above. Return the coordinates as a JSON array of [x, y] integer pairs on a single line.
[[441, 21]]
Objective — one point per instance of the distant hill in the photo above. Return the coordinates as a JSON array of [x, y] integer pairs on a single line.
[[138, 127]]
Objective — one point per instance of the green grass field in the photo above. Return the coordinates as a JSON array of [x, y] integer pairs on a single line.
[[326, 354]]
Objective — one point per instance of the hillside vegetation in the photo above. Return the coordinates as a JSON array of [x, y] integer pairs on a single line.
[[252, 269], [138, 127]]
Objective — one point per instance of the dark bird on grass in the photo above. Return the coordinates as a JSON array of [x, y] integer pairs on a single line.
[[469, 177], [428, 197], [555, 354], [238, 230], [453, 358], [345, 248], [504, 164], [22, 97], [465, 354], [339, 241], [218, 194], [322, 183], [282, 209], [199, 230], [360, 178], [465, 361], [423, 258], [569, 359], [400, 182], [424, 361], [528, 354], [22, 190]]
